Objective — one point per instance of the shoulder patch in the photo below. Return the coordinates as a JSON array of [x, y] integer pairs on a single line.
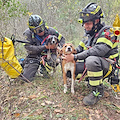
[[103, 33], [56, 31], [107, 33]]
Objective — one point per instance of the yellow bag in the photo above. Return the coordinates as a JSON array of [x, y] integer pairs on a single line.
[[8, 60]]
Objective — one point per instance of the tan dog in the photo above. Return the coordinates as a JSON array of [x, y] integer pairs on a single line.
[[68, 48]]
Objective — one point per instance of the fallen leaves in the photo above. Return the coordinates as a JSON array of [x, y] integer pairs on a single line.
[[58, 105], [61, 110], [39, 111], [23, 98], [43, 104], [118, 108], [49, 102], [93, 114], [106, 94], [118, 111], [73, 109], [32, 97], [16, 115]]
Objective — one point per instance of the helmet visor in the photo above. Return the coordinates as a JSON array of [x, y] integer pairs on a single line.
[[39, 29]]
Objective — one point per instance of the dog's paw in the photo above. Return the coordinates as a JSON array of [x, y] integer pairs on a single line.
[[72, 91], [65, 88], [65, 91]]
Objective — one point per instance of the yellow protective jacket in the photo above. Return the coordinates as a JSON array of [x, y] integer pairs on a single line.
[[8, 60]]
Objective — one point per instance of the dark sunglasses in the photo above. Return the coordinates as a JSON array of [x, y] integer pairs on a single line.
[[39, 29]]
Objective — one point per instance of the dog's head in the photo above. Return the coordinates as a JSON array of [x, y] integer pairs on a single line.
[[52, 40], [67, 48]]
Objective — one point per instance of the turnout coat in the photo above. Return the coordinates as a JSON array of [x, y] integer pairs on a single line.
[[93, 50]]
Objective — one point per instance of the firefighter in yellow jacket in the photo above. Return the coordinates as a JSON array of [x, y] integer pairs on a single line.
[[99, 43]]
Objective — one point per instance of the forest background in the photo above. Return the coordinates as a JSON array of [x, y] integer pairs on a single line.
[[62, 15], [47, 101]]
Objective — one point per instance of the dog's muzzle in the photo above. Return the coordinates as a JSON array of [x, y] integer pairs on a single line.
[[53, 41], [68, 49]]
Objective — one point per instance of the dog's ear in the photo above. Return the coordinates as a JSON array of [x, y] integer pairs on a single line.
[[57, 40], [74, 51], [47, 41]]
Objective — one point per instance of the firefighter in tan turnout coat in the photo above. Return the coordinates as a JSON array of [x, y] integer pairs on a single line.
[[98, 44]]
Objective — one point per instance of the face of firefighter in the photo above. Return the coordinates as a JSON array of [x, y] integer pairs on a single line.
[[89, 25], [41, 34]]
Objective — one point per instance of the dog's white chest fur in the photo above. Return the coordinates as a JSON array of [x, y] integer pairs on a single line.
[[69, 66]]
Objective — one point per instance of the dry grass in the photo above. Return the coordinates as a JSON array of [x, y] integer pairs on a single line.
[[46, 101]]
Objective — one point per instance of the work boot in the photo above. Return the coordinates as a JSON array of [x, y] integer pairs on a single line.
[[94, 97]]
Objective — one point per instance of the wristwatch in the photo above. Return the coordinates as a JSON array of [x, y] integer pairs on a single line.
[[75, 57]]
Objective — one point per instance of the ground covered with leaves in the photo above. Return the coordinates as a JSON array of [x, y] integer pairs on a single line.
[[44, 100]]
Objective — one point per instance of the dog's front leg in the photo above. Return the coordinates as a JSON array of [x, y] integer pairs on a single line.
[[65, 82], [73, 79], [48, 54]]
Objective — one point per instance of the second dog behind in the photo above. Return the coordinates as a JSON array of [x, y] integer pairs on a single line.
[[68, 48], [52, 59]]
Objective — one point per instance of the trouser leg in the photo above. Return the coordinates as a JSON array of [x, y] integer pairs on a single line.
[[30, 69], [97, 67], [80, 66]]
